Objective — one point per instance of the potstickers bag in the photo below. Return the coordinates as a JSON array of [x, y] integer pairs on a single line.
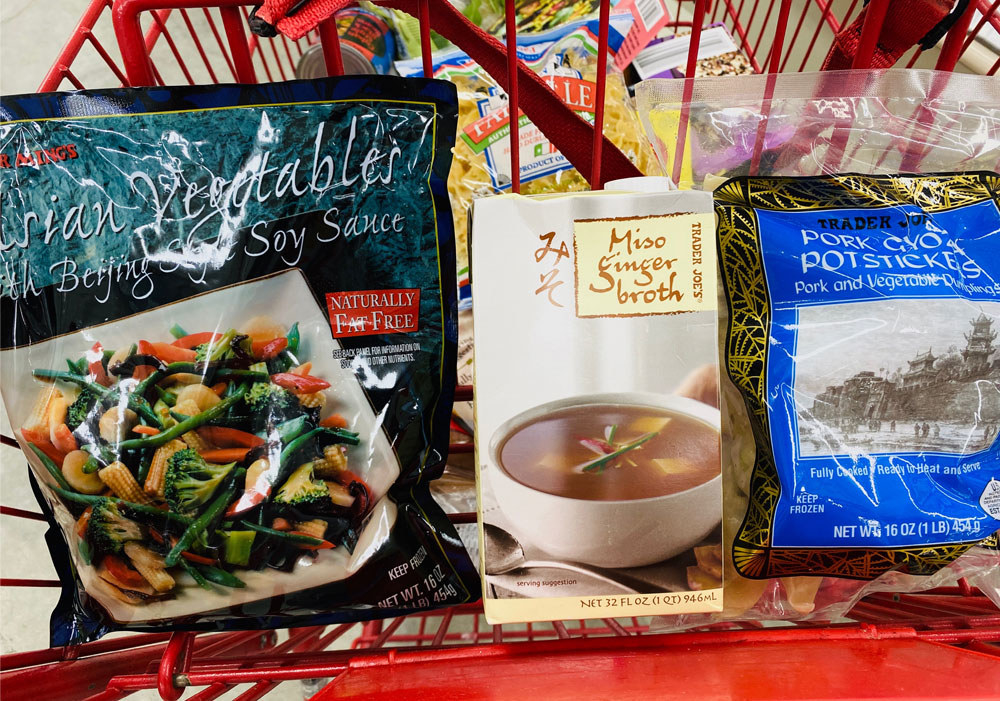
[[862, 393], [229, 349]]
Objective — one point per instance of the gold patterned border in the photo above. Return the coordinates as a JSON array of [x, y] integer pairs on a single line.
[[746, 346]]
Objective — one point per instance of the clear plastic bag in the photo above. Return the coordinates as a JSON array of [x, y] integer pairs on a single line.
[[867, 122], [876, 122]]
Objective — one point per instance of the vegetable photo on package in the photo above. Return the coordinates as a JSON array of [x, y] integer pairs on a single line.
[[205, 454], [229, 349]]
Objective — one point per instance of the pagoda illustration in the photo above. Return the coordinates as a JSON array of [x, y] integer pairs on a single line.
[[979, 346], [955, 387]]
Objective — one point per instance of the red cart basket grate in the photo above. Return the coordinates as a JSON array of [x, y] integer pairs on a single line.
[[943, 642]]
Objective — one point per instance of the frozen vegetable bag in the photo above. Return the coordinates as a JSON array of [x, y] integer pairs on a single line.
[[229, 349], [861, 338]]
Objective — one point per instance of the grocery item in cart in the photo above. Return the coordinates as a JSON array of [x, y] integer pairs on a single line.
[[367, 45], [800, 124], [230, 349], [567, 59], [864, 402], [718, 55], [598, 458]]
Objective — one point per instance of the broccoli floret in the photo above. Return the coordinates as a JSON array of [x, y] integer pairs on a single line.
[[80, 409], [303, 491], [108, 530], [191, 482], [270, 405], [201, 353]]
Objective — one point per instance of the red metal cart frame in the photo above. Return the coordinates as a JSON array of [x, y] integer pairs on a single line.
[[954, 629]]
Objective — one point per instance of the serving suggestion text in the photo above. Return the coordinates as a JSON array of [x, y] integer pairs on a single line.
[[194, 218]]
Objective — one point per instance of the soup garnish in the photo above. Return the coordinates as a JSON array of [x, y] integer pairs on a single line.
[[608, 452]]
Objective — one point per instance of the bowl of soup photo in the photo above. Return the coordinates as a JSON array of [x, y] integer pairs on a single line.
[[611, 480]]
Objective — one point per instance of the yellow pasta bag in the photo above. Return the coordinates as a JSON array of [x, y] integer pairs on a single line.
[[567, 59]]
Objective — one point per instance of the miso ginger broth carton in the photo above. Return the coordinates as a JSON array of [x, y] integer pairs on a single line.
[[597, 405]]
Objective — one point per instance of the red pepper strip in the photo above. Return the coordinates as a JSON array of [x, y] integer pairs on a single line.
[[306, 384], [224, 455], [324, 545], [196, 339], [43, 443], [96, 366], [122, 572], [265, 350], [155, 535], [333, 421], [219, 387], [247, 501], [167, 353], [225, 437]]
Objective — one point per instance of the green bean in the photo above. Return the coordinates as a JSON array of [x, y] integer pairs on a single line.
[[243, 374], [144, 465], [299, 443], [184, 426], [142, 408], [51, 466], [90, 500], [290, 537], [196, 575], [177, 331], [220, 576], [91, 466], [201, 523], [99, 390], [293, 338]]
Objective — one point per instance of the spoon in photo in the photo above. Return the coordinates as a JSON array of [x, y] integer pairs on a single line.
[[506, 555]]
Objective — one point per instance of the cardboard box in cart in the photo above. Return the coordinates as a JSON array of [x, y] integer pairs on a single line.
[[597, 405]]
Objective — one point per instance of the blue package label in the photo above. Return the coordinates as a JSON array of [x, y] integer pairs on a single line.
[[876, 326]]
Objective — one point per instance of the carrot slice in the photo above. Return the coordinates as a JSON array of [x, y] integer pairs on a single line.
[[334, 421], [191, 557], [63, 439], [146, 430], [167, 353], [220, 387], [83, 521], [225, 455]]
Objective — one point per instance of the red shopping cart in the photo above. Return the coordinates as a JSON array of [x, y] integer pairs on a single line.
[[939, 643]]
